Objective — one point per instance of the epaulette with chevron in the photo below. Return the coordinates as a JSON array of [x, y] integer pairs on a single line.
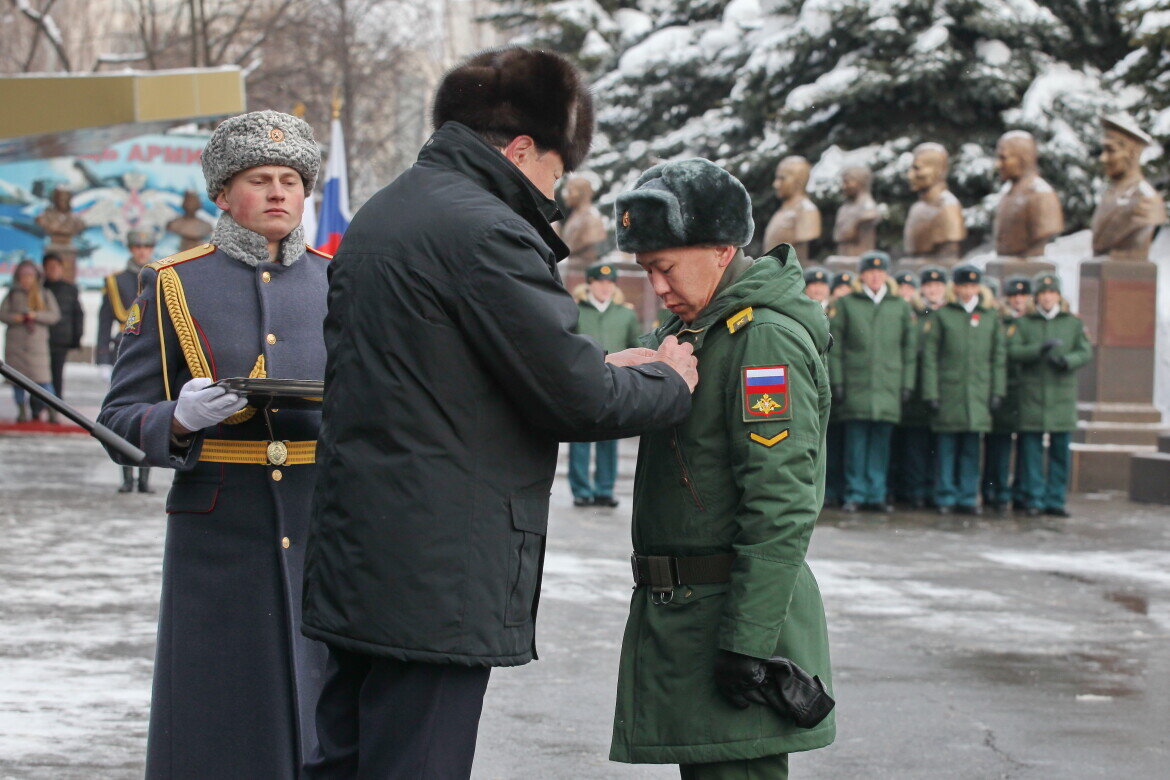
[[182, 257]]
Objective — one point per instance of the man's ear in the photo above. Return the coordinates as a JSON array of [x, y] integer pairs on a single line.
[[220, 200], [520, 148], [725, 254]]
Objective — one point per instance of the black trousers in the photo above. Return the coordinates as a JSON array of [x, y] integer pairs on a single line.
[[57, 357], [387, 719]]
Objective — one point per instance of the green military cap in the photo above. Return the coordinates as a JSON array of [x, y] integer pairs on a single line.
[[875, 259], [601, 271], [1046, 281], [816, 274], [845, 277], [967, 274], [907, 277], [1017, 285], [932, 274], [140, 238]]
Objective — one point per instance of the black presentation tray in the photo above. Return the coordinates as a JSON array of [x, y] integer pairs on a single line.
[[278, 393]]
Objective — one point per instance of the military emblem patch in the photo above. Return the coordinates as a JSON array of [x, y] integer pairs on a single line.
[[765, 393], [133, 324]]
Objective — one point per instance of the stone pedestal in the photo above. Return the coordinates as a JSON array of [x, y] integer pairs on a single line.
[[1118, 420], [1003, 267], [1149, 474], [838, 263]]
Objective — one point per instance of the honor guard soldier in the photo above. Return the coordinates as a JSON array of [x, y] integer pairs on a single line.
[[873, 367], [907, 287], [118, 294], [235, 682], [615, 326], [964, 381], [1049, 345], [999, 489], [725, 502]]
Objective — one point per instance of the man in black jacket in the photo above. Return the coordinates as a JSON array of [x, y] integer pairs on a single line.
[[453, 371]]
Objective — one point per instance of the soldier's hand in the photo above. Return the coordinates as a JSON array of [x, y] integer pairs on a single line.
[[681, 358], [202, 405], [1059, 362], [996, 402], [631, 357], [739, 678], [1050, 344]]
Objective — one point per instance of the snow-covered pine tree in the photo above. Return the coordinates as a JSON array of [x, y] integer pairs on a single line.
[[747, 82]]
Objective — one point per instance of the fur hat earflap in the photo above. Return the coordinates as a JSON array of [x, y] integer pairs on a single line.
[[517, 91]]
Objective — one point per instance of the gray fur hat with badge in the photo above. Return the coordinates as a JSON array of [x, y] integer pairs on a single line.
[[260, 138], [683, 203]]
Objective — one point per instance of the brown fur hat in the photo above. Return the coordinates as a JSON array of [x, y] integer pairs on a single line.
[[516, 91]]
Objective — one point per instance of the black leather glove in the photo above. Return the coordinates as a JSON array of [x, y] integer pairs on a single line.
[[933, 404], [838, 392], [1050, 344], [906, 395], [996, 402], [740, 677], [1059, 362]]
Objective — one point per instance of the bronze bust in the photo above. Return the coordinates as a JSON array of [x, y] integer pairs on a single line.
[[60, 223], [1029, 214], [584, 228], [934, 226], [191, 230], [798, 220], [855, 228], [1131, 210]]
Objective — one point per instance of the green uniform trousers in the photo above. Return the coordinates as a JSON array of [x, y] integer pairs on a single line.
[[834, 463], [765, 768], [1040, 490], [914, 454], [956, 476], [867, 460]]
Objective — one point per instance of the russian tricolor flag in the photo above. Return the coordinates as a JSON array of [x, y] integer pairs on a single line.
[[334, 217], [766, 380]]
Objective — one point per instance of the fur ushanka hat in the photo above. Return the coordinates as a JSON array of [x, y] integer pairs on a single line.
[[516, 91], [683, 203], [260, 138]]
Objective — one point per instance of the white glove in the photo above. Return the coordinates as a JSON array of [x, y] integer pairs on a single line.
[[200, 405]]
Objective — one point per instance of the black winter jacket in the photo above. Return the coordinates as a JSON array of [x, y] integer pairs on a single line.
[[453, 371]]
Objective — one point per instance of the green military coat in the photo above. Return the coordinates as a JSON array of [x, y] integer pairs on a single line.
[[875, 354], [1048, 395], [743, 473], [615, 329], [963, 366], [1006, 419]]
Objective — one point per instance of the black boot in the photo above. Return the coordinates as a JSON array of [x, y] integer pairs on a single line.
[[144, 481], [127, 480], [21, 413]]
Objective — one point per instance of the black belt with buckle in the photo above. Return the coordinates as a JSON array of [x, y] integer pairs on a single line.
[[663, 573]]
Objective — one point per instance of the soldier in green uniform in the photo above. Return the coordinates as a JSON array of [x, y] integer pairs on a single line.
[[998, 487], [615, 327], [841, 285], [907, 287], [816, 285], [963, 381], [873, 367], [725, 503], [1049, 345]]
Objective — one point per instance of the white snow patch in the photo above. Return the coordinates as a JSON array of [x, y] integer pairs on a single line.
[[595, 46], [670, 44], [932, 39], [744, 14], [824, 88], [994, 52], [632, 23], [1151, 567]]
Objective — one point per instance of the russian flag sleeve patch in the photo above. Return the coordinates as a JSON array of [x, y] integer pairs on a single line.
[[765, 393]]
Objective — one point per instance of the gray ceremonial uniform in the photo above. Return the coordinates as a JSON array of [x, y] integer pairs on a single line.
[[125, 282], [235, 683]]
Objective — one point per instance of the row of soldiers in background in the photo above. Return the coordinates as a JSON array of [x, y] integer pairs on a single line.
[[924, 367], [1028, 217]]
